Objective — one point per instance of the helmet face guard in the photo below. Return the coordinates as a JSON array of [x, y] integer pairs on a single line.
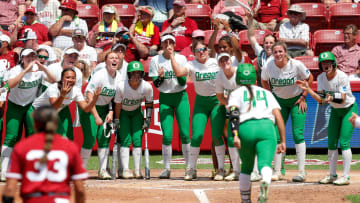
[[327, 56], [135, 66], [245, 74]]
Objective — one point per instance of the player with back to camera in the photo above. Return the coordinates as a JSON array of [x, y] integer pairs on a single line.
[[45, 163], [333, 87], [250, 107], [129, 119]]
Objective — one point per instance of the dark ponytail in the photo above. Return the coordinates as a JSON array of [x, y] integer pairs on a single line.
[[248, 87]]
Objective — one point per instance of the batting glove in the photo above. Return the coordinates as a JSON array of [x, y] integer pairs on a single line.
[[117, 124]]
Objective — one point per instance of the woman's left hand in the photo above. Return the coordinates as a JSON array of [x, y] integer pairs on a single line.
[[302, 104], [109, 117], [41, 66]]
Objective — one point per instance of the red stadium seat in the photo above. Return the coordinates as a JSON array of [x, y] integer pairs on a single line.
[[245, 44], [103, 2], [312, 63], [316, 15], [89, 12], [342, 14], [201, 13], [303, 1], [208, 34], [126, 13], [146, 64]]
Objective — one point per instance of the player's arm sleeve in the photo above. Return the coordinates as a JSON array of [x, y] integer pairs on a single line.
[[272, 101], [93, 84], [149, 95], [219, 88], [78, 95], [265, 73], [53, 91], [258, 49], [303, 71]]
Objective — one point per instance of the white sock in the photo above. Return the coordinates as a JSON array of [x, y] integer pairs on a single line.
[[124, 154], [186, 153], [5, 158], [137, 152], [255, 169], [103, 154], [166, 154], [300, 154], [220, 155], [245, 183], [277, 162], [346, 156], [194, 153], [333, 158], [266, 174], [234, 156], [85, 156]]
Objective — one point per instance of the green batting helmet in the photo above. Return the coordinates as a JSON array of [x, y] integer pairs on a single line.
[[135, 66], [327, 56], [245, 74]]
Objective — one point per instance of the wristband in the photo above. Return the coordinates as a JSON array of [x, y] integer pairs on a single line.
[[357, 123]]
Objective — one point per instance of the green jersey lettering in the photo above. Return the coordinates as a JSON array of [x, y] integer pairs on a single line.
[[259, 96], [28, 85], [282, 82], [131, 102], [169, 75], [205, 76], [107, 92]]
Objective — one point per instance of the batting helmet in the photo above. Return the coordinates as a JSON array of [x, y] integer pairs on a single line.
[[135, 66], [327, 56], [245, 74]]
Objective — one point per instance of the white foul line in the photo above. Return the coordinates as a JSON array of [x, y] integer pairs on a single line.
[[201, 195]]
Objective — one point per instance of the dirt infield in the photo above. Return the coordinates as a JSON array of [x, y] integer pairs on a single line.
[[206, 190]]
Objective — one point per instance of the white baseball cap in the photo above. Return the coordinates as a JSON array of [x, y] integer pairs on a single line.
[[222, 55], [28, 35], [168, 37], [108, 9], [26, 52], [71, 51], [5, 38]]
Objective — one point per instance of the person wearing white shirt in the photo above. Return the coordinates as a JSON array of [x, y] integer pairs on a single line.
[[47, 11], [86, 53]]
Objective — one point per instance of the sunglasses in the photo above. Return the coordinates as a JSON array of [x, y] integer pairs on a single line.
[[30, 14], [200, 49], [294, 13], [43, 57]]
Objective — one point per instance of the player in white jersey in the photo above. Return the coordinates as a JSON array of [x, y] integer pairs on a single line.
[[203, 73], [333, 87], [3, 94], [250, 107], [92, 123], [129, 95], [279, 75], [225, 83], [173, 100], [24, 81], [60, 95]]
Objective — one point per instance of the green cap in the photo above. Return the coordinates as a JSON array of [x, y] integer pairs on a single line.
[[245, 74], [135, 66], [327, 56]]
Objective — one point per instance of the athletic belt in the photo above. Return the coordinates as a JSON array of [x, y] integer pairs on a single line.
[[50, 194]]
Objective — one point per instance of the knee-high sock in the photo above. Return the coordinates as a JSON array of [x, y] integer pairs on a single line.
[[234, 156], [103, 154], [220, 155], [266, 174], [137, 152], [5, 159], [300, 154], [277, 162], [124, 154], [346, 156], [245, 186], [85, 156], [186, 153], [333, 158], [194, 154], [166, 154]]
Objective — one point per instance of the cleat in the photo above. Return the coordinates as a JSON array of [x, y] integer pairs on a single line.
[[220, 175], [120, 173], [138, 175], [254, 177], [213, 173], [277, 176], [328, 179], [263, 195], [104, 175], [245, 196], [127, 174], [343, 180], [299, 178], [190, 174], [165, 174], [232, 176]]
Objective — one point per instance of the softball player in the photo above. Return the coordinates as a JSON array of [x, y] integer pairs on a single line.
[[173, 99], [3, 94], [333, 87], [60, 95], [250, 107], [92, 123], [128, 98], [203, 73], [45, 163], [24, 82], [281, 72], [225, 83]]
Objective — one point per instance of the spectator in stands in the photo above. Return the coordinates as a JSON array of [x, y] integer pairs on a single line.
[[163, 10], [47, 11], [356, 75], [180, 26], [296, 33], [101, 35], [197, 35], [11, 13], [145, 31], [31, 24], [7, 56], [220, 6], [347, 54], [269, 14], [62, 29], [87, 53], [84, 68], [328, 3]]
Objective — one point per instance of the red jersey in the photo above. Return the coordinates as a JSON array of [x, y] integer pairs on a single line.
[[187, 52], [271, 9], [182, 33], [64, 164], [42, 33], [9, 60]]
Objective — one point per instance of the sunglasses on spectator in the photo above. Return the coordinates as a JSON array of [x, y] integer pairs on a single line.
[[30, 14], [200, 49], [293, 13], [43, 57]]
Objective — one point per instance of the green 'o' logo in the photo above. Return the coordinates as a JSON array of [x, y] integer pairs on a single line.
[[324, 55], [246, 72], [136, 66]]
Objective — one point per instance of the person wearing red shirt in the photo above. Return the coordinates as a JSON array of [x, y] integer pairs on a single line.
[[30, 23], [180, 26], [7, 56], [45, 163], [269, 14]]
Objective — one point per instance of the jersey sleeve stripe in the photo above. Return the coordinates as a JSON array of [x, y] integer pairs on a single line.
[[14, 175], [80, 176]]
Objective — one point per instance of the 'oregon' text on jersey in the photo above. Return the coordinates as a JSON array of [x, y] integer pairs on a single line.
[[205, 76], [107, 92], [27, 85], [282, 82], [169, 75], [131, 102]]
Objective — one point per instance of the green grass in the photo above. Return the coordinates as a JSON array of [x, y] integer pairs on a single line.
[[353, 198]]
